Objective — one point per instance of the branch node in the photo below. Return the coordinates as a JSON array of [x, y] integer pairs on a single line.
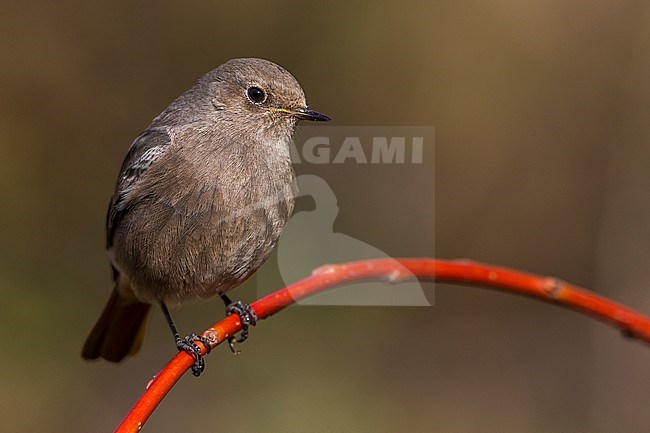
[[552, 286], [211, 335], [399, 276], [325, 269]]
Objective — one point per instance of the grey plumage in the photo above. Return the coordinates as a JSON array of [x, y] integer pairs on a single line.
[[204, 192]]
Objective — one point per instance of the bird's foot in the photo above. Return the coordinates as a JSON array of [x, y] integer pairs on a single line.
[[188, 345], [248, 318]]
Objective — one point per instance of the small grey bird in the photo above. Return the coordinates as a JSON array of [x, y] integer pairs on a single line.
[[201, 200]]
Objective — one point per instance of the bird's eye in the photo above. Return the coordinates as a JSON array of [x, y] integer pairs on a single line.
[[256, 95]]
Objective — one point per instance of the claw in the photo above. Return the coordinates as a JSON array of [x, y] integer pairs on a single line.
[[188, 345], [248, 318]]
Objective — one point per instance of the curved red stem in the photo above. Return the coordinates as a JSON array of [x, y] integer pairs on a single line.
[[549, 289]]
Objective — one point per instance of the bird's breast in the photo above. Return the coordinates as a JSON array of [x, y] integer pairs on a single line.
[[203, 229]]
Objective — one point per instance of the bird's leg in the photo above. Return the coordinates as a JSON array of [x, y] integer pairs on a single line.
[[188, 343], [246, 315]]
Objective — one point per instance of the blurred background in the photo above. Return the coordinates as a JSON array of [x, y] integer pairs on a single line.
[[542, 163]]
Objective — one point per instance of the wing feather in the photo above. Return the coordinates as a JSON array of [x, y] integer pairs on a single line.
[[143, 153]]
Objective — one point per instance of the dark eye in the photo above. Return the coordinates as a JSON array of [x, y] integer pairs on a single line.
[[256, 95]]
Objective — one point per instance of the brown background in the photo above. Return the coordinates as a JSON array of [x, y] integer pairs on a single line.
[[542, 157]]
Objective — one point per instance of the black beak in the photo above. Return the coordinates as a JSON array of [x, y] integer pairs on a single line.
[[307, 114]]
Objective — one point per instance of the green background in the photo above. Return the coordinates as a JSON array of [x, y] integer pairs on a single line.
[[541, 163]]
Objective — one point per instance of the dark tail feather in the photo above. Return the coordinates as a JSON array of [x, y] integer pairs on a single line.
[[119, 330]]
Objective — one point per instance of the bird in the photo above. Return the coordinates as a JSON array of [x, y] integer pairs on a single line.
[[200, 202]]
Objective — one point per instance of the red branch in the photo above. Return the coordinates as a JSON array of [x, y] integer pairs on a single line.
[[549, 289]]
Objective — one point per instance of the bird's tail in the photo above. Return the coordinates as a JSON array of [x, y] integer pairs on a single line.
[[120, 329]]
